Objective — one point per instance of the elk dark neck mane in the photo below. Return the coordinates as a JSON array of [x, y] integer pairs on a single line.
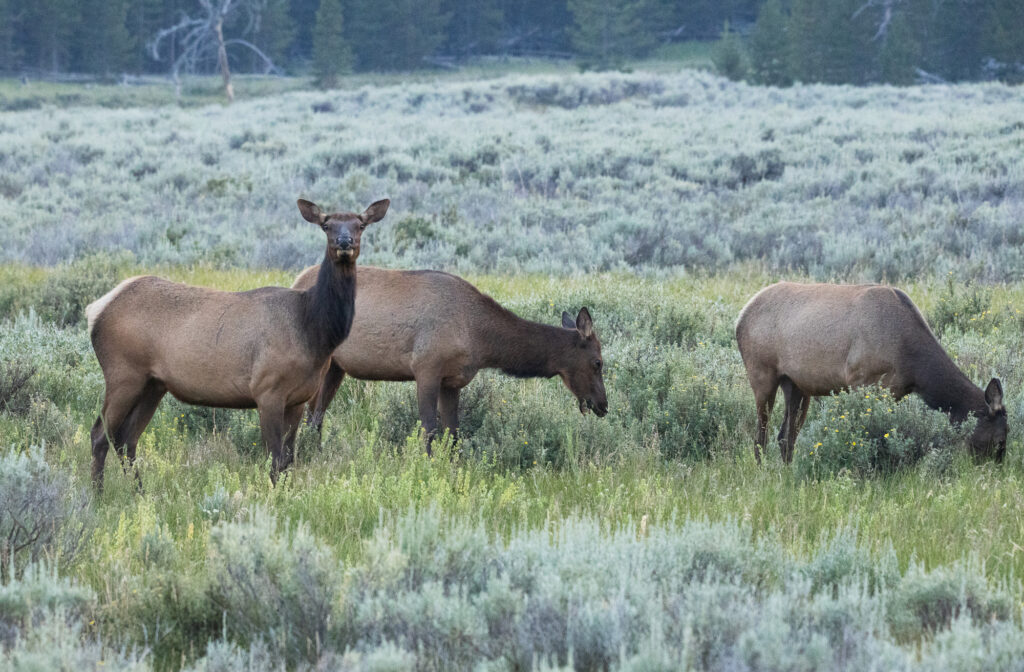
[[330, 305], [943, 386], [522, 348]]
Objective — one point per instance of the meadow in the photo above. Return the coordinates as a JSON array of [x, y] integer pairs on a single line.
[[648, 539]]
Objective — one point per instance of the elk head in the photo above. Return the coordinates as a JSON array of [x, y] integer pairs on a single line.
[[989, 437], [343, 229], [582, 370]]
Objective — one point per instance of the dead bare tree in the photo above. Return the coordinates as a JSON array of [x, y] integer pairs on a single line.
[[200, 39], [883, 23]]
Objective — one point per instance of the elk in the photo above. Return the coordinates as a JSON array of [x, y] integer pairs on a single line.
[[266, 348], [439, 330], [816, 339]]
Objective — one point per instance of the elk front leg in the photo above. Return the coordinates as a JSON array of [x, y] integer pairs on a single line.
[[427, 391], [273, 427], [292, 420], [448, 405], [324, 396]]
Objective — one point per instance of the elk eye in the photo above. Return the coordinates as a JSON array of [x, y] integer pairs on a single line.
[[597, 365]]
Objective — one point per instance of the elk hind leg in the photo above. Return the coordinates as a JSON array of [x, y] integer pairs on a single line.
[[765, 389], [796, 412], [120, 398], [136, 422]]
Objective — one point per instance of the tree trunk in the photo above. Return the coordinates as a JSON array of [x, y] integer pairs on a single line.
[[222, 59]]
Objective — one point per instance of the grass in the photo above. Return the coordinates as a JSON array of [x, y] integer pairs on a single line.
[[147, 551], [199, 90]]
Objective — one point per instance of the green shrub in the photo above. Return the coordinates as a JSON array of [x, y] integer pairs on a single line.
[[729, 56], [694, 402], [46, 424], [66, 374], [967, 308], [864, 432], [15, 391], [66, 292]]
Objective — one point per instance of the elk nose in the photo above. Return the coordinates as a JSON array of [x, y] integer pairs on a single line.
[[344, 242]]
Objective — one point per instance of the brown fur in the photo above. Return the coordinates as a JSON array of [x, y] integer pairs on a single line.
[[264, 348], [815, 339], [439, 330]]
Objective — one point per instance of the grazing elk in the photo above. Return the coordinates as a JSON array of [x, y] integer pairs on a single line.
[[815, 339], [439, 330], [266, 348]]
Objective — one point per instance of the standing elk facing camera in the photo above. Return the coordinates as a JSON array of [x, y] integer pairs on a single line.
[[266, 348], [816, 339], [439, 330]]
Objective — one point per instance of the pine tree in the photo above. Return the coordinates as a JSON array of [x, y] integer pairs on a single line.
[[729, 57], [10, 55], [900, 52], [103, 38], [536, 26], [303, 15], [830, 42], [145, 18], [806, 45], [48, 29], [331, 55], [273, 31], [475, 26], [1004, 42], [768, 47], [607, 32], [412, 30]]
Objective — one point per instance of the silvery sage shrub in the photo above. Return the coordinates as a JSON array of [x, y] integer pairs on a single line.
[[927, 602], [280, 585], [43, 513], [43, 627]]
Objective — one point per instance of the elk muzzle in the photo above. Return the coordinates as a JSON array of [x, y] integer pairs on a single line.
[[599, 408]]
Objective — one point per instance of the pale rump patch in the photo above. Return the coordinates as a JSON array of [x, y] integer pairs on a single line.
[[739, 318], [94, 309]]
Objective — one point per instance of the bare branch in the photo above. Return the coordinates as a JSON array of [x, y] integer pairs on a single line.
[[886, 6], [202, 42], [268, 63]]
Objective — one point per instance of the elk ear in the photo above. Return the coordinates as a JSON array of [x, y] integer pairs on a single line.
[[376, 211], [567, 321], [584, 324], [311, 212], [994, 395]]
